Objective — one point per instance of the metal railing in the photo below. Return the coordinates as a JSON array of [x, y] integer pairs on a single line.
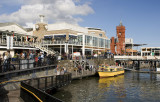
[[50, 82], [61, 42], [21, 64], [35, 89], [31, 94], [17, 43], [136, 57]]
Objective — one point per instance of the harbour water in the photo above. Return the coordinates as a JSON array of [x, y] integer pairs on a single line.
[[130, 87]]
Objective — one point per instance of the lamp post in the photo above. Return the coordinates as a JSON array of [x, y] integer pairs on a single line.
[[66, 48]]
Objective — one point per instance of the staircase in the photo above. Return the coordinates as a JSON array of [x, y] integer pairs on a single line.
[[44, 48]]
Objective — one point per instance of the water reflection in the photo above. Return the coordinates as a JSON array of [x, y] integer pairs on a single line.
[[106, 82], [129, 87], [114, 86]]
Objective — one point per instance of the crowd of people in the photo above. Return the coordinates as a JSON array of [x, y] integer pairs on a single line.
[[6, 60], [60, 70]]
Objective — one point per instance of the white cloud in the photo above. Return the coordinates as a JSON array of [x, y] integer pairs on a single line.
[[54, 10]]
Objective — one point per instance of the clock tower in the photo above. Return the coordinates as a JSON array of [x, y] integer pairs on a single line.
[[120, 43]]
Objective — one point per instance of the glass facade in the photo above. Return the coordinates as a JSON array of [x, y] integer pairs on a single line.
[[107, 43], [72, 39], [95, 41], [88, 40], [80, 39], [59, 38], [101, 42]]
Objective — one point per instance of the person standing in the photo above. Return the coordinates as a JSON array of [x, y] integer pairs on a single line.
[[58, 71], [0, 63], [42, 58], [5, 62], [62, 71]]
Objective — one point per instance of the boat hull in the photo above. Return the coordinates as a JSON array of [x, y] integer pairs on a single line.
[[110, 74]]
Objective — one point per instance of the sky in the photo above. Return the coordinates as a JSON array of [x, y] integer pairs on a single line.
[[140, 17]]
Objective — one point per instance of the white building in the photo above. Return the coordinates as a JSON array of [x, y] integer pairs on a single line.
[[19, 38], [150, 51], [61, 37], [68, 38]]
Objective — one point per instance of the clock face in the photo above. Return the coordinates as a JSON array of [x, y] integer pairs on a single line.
[[37, 26], [46, 27]]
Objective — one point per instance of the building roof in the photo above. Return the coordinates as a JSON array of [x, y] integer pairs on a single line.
[[64, 26], [13, 27], [11, 23], [93, 28], [127, 45], [120, 23], [130, 50], [151, 47]]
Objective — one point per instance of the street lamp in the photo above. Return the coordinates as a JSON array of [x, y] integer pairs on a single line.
[[66, 48]]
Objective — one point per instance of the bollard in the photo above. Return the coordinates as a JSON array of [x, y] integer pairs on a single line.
[[76, 72]]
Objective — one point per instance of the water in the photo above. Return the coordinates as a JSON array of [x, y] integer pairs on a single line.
[[130, 87]]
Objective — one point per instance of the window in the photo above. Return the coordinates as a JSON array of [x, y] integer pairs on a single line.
[[100, 35]]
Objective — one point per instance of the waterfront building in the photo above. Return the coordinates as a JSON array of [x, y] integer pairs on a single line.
[[150, 51], [68, 38], [63, 38], [118, 43], [121, 45], [15, 38]]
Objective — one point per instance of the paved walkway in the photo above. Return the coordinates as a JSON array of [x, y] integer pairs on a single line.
[[14, 96]]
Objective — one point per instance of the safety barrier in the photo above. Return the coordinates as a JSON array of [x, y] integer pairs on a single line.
[[31, 94], [34, 90]]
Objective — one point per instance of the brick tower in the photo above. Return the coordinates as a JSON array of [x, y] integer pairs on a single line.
[[112, 45], [120, 39]]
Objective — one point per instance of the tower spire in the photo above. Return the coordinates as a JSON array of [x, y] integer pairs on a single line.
[[42, 18], [120, 23]]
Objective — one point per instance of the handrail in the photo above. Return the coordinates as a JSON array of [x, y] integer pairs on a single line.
[[12, 81], [32, 94]]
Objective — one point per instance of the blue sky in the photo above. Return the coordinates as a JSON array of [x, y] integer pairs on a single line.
[[140, 17]]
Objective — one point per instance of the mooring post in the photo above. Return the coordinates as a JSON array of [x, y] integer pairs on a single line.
[[56, 81], [155, 65], [151, 65], [133, 65], [45, 83], [38, 82], [52, 81], [138, 65], [76, 72]]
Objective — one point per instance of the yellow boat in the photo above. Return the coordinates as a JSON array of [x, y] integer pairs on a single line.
[[110, 71]]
